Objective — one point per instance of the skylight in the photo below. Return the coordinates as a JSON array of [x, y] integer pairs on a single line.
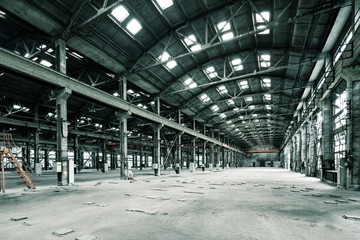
[[164, 4], [267, 97], [115, 94], [251, 107], [45, 63], [222, 115], [268, 107], [262, 16], [196, 47], [141, 106], [2, 13], [190, 40], [164, 57], [254, 115], [265, 60], [222, 89], [236, 109], [190, 83], [225, 28], [215, 108], [229, 121], [230, 102], [266, 82], [134, 26], [237, 64], [120, 13], [204, 98], [244, 84], [259, 27], [211, 72], [249, 99]]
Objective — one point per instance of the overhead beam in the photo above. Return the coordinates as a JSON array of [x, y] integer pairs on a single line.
[[34, 70]]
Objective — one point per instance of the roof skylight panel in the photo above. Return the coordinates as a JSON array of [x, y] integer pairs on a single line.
[[204, 98], [266, 82], [265, 60], [222, 115], [249, 99], [244, 84], [2, 13], [164, 4], [190, 83], [166, 56], [190, 40], [46, 63], [134, 26], [230, 102], [215, 108], [262, 16], [267, 97], [225, 28], [237, 64], [120, 13], [211, 72], [222, 89]]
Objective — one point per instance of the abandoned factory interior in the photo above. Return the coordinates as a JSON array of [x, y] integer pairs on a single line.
[[180, 119]]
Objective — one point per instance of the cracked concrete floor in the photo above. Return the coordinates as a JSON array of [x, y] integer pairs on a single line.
[[246, 203]]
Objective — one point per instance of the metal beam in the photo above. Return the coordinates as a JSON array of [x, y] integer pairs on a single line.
[[27, 67]]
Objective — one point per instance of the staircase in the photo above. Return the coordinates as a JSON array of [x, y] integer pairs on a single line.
[[5, 152]]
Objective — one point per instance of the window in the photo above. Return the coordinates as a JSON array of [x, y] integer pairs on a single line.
[[251, 107], [204, 98], [134, 26], [120, 13], [267, 97], [222, 115], [2, 13], [132, 93], [266, 82], [261, 20], [215, 108], [268, 107], [225, 28], [164, 57], [164, 4], [244, 84], [142, 106], [222, 89], [254, 115], [211, 72], [265, 60], [190, 83], [228, 122], [236, 109], [237, 64]]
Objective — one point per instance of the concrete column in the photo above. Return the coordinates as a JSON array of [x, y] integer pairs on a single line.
[[312, 157], [204, 155], [298, 152], [104, 163], [93, 160], [65, 167], [193, 154], [218, 155], [141, 151], [223, 158], [122, 118], [60, 56], [304, 150], [327, 139], [28, 150], [353, 163], [97, 159], [46, 159], [37, 164], [77, 154]]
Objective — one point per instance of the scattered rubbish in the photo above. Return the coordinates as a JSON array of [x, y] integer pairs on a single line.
[[233, 184], [151, 197], [309, 189], [217, 184], [330, 202], [147, 181], [158, 189], [18, 218], [193, 192], [89, 203], [103, 205], [335, 196], [341, 201], [275, 187], [165, 213], [165, 198], [131, 181], [294, 190], [317, 195], [200, 187], [163, 180], [63, 232], [184, 182], [87, 237], [354, 199], [293, 186], [113, 183], [356, 218], [212, 188], [97, 184], [128, 194], [304, 190], [182, 200], [176, 186], [141, 211], [27, 224]]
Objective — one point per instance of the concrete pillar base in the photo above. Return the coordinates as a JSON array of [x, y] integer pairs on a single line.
[[38, 169], [106, 167], [217, 166], [192, 167], [227, 166], [210, 167]]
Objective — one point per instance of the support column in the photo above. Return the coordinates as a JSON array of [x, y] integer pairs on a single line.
[[60, 56], [327, 140], [104, 164], [141, 151], [211, 153], [193, 154], [218, 156], [298, 152], [204, 155], [76, 154], [65, 167], [304, 150], [46, 159], [223, 158], [37, 164], [122, 118], [157, 154]]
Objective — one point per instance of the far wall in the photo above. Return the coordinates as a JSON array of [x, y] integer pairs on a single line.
[[262, 160]]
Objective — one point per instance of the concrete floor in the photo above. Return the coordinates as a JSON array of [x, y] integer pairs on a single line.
[[246, 203]]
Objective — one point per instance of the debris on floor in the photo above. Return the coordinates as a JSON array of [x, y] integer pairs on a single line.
[[141, 211], [15, 219], [97, 184], [87, 237], [330, 202], [356, 218], [316, 195], [63, 232], [89, 203], [341, 201], [103, 205]]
